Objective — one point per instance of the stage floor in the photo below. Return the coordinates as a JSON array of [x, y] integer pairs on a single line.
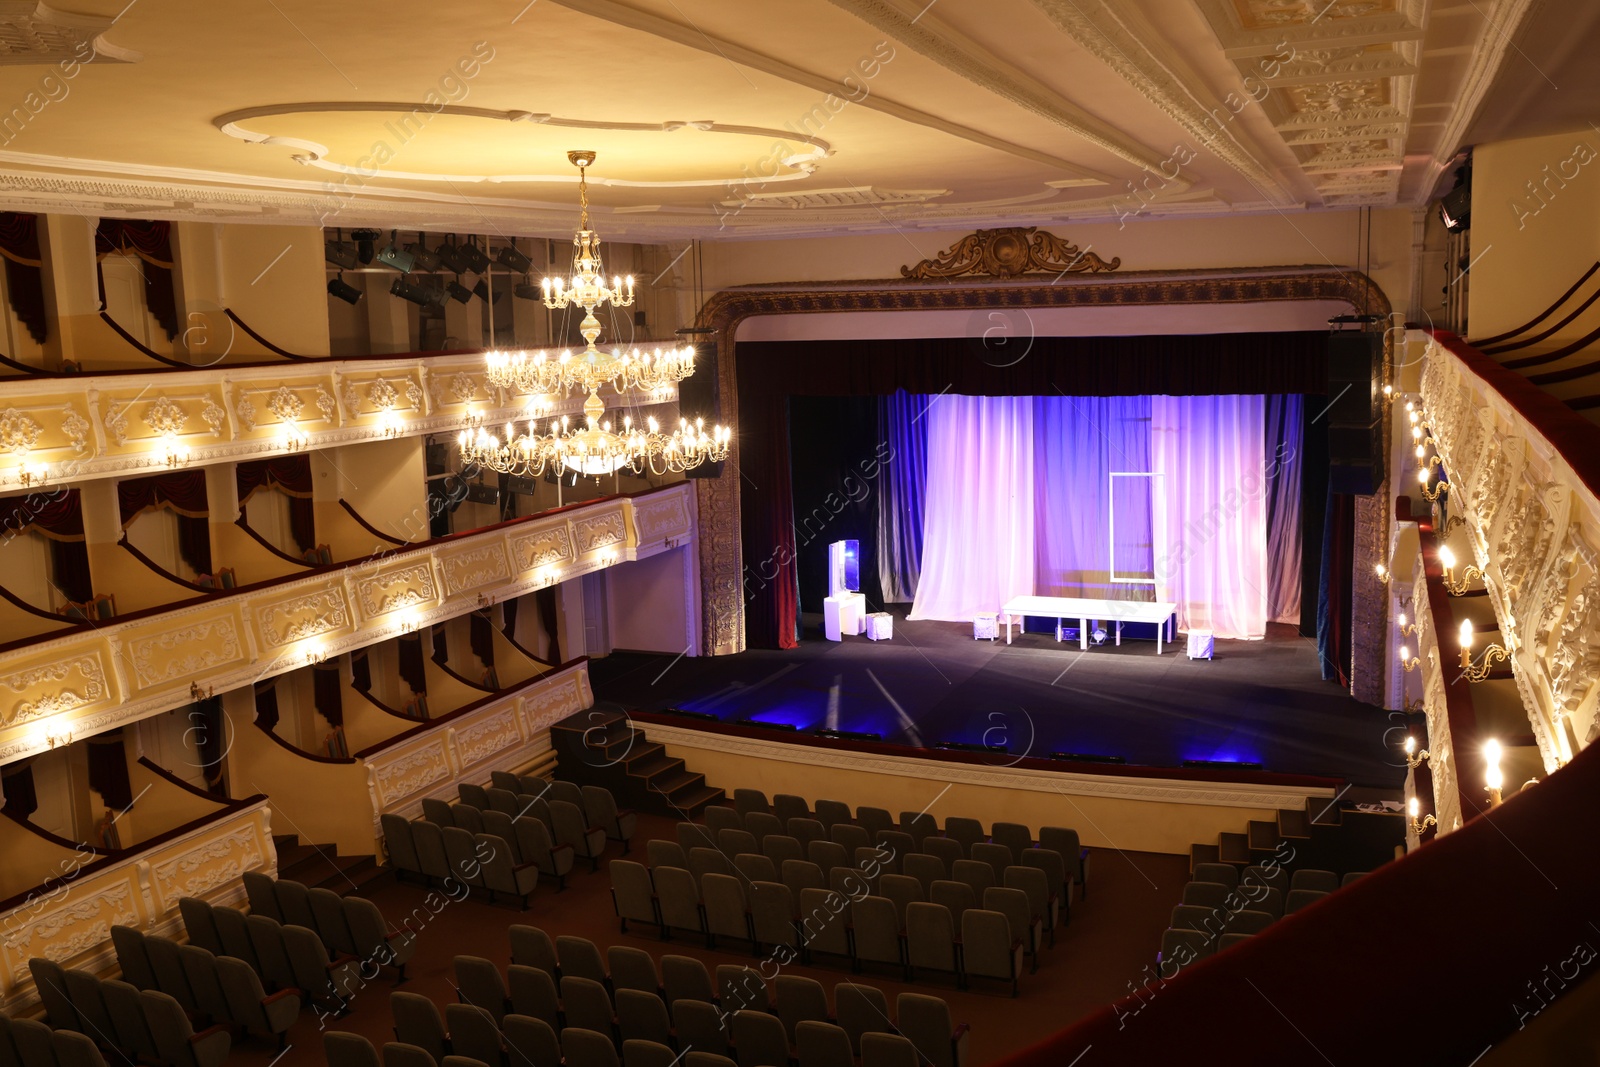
[[1257, 701]]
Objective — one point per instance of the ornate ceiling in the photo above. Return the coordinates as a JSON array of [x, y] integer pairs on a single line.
[[717, 118]]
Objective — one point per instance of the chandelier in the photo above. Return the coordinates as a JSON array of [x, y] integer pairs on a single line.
[[595, 449]]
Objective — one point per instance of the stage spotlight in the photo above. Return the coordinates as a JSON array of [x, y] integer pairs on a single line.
[[513, 259], [704, 716], [473, 256], [366, 246], [397, 258], [421, 295], [422, 259], [340, 253], [343, 290], [1221, 765], [969, 746], [1098, 635], [1085, 757], [789, 726], [481, 291], [450, 256], [527, 291], [458, 292], [848, 735]]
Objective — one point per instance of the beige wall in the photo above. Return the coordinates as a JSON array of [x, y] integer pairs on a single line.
[[382, 479], [1535, 227], [272, 277], [1320, 239]]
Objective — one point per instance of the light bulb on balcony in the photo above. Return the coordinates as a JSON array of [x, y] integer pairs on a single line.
[[1422, 477], [1401, 620], [1447, 558], [1466, 633], [1491, 751], [1383, 572], [1494, 777], [1422, 453], [1405, 654], [1414, 808]]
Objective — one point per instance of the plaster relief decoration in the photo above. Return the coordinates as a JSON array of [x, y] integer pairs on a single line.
[[410, 774], [487, 737], [540, 548], [395, 588], [75, 427], [164, 416], [185, 649], [299, 617], [1007, 253], [116, 422], [474, 567], [285, 404], [77, 925], [554, 701], [33, 32], [206, 865], [660, 519], [600, 532], [62, 685], [18, 433]]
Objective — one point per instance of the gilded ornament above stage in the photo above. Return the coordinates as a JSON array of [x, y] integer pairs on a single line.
[[1008, 253]]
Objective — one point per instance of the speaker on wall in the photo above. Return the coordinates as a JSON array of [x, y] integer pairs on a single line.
[[698, 396], [1355, 411]]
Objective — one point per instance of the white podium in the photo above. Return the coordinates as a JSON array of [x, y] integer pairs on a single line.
[[1202, 643], [844, 613], [880, 626]]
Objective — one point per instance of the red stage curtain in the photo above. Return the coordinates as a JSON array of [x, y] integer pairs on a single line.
[[17, 781], [108, 769], [769, 372], [291, 476], [328, 693], [19, 244], [151, 242]]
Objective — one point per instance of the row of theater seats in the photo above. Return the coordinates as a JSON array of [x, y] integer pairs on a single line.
[[347, 926], [1221, 906], [125, 1023], [960, 838], [597, 803], [280, 957], [698, 1009]]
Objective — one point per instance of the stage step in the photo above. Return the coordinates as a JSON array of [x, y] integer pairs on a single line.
[[320, 865], [1234, 848], [1264, 836], [1294, 824], [1323, 811], [604, 747]]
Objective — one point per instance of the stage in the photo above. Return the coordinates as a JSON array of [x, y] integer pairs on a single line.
[[1259, 701]]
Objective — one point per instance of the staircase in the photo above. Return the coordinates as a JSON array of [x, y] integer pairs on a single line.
[[1319, 836], [319, 865], [598, 747]]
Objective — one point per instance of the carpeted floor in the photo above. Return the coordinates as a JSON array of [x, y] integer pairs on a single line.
[[1257, 701], [1113, 935]]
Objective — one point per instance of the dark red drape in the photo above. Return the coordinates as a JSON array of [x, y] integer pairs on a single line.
[[151, 242], [769, 372], [108, 769], [267, 704], [1334, 638], [19, 244], [182, 492], [360, 671], [327, 692], [549, 616], [508, 617], [441, 644], [17, 781], [210, 728], [481, 637], [55, 513], [291, 476], [412, 669], [69, 570]]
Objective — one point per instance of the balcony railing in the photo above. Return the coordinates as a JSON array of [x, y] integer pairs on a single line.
[[102, 676]]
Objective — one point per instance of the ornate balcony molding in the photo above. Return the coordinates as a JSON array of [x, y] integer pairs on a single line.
[[98, 426], [92, 680], [68, 919], [1530, 513]]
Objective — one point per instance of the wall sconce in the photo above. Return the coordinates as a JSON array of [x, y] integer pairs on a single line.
[[1450, 524], [1407, 660], [1413, 809], [31, 474], [1389, 395], [1424, 476], [1447, 559], [293, 438], [174, 453], [485, 601], [473, 419], [1493, 778], [53, 739], [1414, 757], [390, 425], [1409, 630], [196, 694], [1383, 573], [410, 621], [1415, 706], [1425, 461], [1491, 655]]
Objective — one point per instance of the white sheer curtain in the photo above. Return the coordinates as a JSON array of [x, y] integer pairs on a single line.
[[1211, 556], [977, 538]]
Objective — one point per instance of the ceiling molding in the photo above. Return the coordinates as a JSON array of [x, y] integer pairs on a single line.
[[690, 37], [801, 164], [1130, 47], [36, 33]]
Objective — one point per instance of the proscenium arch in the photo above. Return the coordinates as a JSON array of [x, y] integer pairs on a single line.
[[721, 556]]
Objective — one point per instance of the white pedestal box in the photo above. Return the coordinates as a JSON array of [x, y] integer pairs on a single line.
[[880, 626], [844, 613], [1202, 643]]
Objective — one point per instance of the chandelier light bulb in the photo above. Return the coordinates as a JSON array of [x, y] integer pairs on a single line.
[[1466, 633], [1447, 558]]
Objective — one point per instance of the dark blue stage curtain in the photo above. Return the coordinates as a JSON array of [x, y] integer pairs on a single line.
[[836, 468], [1334, 643], [902, 483]]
